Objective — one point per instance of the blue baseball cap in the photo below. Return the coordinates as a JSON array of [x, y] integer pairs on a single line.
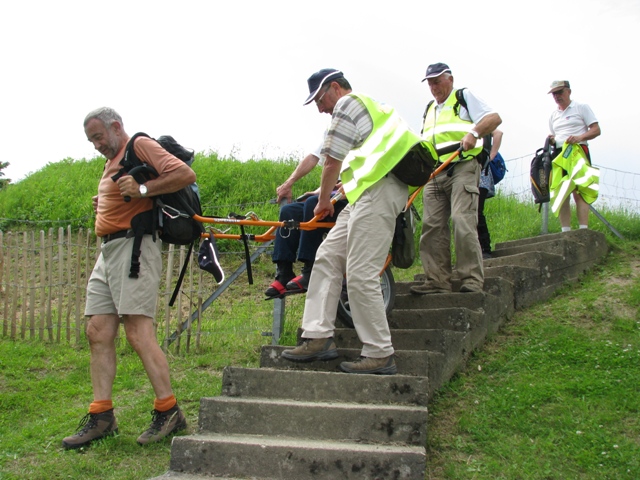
[[320, 78], [436, 69]]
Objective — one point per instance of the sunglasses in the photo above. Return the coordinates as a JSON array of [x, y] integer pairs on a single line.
[[319, 99], [559, 92]]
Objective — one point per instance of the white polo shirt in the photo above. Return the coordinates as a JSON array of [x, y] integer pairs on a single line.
[[573, 120]]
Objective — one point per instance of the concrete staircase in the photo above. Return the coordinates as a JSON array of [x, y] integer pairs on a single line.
[[309, 421]]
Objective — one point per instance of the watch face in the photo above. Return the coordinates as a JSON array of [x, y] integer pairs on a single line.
[[143, 190]]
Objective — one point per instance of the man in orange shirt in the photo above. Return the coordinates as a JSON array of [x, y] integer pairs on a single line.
[[113, 297]]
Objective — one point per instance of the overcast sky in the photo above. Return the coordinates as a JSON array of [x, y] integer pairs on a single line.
[[231, 76]]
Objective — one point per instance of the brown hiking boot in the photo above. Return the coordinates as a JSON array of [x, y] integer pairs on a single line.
[[312, 349], [163, 424], [93, 426], [379, 366]]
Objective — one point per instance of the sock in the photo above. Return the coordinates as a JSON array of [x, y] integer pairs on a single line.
[[566, 229], [284, 271], [584, 226], [165, 404], [100, 406], [306, 269]]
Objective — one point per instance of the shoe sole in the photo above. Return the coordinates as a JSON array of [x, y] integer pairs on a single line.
[[392, 370], [324, 356], [74, 446], [296, 290], [431, 292], [469, 290]]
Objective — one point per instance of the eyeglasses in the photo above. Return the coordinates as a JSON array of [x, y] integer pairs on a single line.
[[319, 99]]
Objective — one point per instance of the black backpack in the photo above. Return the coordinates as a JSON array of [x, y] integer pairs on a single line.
[[484, 156], [172, 213], [416, 166], [403, 248], [540, 174]]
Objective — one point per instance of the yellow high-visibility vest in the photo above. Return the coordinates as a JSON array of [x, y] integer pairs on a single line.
[[447, 129], [389, 141], [571, 171]]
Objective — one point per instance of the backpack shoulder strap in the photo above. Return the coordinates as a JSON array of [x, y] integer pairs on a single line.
[[460, 101], [424, 116], [130, 159], [131, 164]]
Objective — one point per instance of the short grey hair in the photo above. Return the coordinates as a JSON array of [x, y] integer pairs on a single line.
[[105, 114]]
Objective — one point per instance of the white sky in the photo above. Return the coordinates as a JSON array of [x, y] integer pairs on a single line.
[[232, 75]]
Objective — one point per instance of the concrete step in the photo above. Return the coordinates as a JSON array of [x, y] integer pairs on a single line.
[[579, 250], [433, 365], [191, 476], [592, 241], [409, 362], [531, 259], [472, 323], [449, 318], [315, 386], [434, 340], [556, 246], [496, 308], [353, 422], [408, 301], [546, 265], [282, 458]]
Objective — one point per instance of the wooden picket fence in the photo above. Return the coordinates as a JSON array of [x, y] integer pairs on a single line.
[[43, 282]]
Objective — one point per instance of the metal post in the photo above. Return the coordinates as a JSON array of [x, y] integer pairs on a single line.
[[278, 320], [279, 305], [545, 218]]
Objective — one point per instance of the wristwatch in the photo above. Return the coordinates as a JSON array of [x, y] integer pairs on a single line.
[[475, 134], [143, 190]]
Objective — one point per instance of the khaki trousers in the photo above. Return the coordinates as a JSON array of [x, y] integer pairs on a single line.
[[358, 244], [456, 198]]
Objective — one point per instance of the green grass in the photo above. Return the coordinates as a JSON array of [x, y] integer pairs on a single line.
[[555, 394], [45, 390]]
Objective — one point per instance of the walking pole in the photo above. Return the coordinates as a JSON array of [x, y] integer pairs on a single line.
[[603, 220]]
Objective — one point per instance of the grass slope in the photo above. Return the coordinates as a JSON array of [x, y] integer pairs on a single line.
[[553, 395]]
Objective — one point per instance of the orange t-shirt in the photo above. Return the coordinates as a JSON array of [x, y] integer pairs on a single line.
[[114, 214]]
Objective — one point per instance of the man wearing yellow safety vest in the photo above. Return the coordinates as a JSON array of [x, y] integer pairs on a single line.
[[365, 141], [454, 193], [571, 125]]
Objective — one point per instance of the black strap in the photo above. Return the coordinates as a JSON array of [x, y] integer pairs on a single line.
[[181, 277], [424, 116], [135, 253], [245, 239], [460, 101], [247, 255]]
